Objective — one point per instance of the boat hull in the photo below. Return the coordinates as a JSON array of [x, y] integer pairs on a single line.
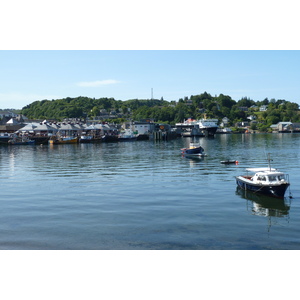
[[270, 190], [142, 137], [40, 140], [63, 141], [209, 131], [110, 138], [86, 139], [127, 139], [22, 143], [227, 162], [4, 139], [193, 151]]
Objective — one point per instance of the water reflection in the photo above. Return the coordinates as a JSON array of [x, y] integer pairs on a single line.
[[261, 205], [265, 206], [193, 160]]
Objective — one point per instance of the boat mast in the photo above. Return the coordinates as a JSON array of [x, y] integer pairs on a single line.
[[269, 160]]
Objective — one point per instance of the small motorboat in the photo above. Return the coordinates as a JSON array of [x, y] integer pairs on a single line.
[[21, 140], [5, 138], [267, 181], [85, 138], [127, 135], [195, 150], [227, 162]]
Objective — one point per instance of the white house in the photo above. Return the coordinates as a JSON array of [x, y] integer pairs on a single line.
[[7, 114], [263, 108], [251, 118]]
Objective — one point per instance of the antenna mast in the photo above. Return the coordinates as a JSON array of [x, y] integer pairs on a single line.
[[269, 160]]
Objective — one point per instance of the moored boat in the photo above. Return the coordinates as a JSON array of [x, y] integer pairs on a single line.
[[193, 150], [4, 138], [228, 161], [63, 140], [224, 131], [86, 138], [21, 140], [268, 181], [127, 135], [206, 127]]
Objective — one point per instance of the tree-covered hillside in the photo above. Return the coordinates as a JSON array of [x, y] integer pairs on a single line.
[[83, 107], [196, 106]]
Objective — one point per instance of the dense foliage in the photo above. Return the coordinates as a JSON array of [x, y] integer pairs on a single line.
[[197, 106], [81, 107]]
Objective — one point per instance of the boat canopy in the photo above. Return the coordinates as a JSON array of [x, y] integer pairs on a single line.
[[261, 169]]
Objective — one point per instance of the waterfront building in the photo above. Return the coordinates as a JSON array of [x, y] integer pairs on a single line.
[[143, 127]]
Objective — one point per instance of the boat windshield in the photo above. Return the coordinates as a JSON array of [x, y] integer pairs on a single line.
[[276, 178], [272, 178]]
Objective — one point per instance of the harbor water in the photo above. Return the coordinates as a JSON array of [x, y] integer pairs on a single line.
[[145, 195]]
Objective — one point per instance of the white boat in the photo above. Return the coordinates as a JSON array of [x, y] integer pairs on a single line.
[[224, 131], [207, 126], [268, 181], [127, 135]]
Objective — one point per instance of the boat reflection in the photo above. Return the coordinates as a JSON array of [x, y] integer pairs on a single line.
[[272, 208], [194, 161], [263, 205]]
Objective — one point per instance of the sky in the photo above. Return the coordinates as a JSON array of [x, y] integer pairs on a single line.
[[30, 75], [125, 49]]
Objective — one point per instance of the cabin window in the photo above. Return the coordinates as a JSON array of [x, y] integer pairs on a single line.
[[280, 177], [272, 178]]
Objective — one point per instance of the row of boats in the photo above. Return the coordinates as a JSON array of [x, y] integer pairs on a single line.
[[23, 139], [267, 181]]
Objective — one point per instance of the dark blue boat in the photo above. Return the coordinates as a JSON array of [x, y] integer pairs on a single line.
[[194, 150], [227, 162]]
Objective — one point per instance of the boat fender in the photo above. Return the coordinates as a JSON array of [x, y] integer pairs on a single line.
[[236, 162]]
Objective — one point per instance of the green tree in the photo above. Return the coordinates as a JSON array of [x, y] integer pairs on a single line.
[[95, 111]]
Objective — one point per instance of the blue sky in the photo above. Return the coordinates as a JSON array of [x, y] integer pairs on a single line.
[[27, 76]]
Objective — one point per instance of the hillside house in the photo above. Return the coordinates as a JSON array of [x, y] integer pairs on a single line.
[[263, 108]]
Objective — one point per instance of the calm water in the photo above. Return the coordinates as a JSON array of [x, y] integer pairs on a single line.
[[144, 195]]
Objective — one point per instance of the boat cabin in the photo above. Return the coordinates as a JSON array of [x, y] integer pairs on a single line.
[[267, 176]]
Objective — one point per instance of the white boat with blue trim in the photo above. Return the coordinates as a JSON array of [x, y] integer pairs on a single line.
[[267, 181]]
